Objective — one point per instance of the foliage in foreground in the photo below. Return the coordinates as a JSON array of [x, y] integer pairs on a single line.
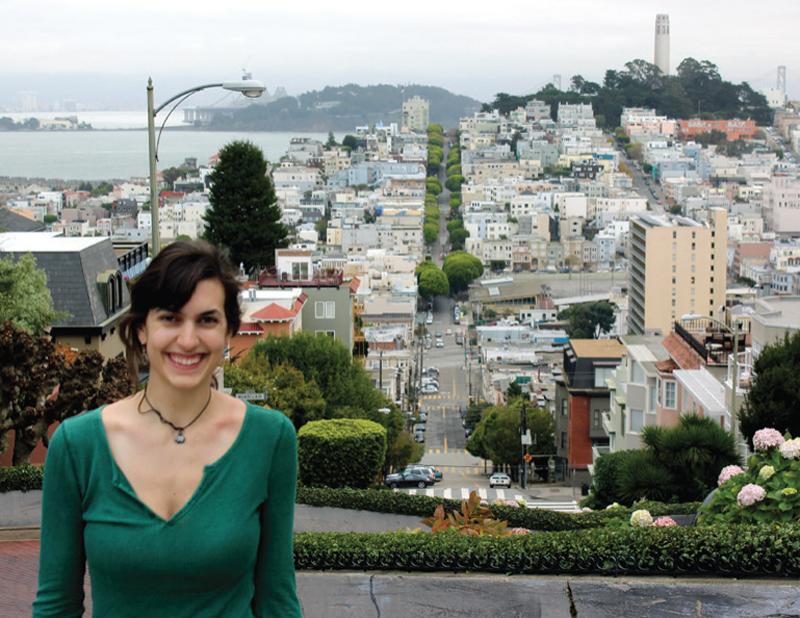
[[768, 491], [732, 551], [386, 501]]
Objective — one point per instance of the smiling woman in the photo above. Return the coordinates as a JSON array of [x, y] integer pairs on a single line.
[[178, 490]]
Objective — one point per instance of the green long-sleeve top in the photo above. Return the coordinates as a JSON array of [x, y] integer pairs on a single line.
[[227, 552]]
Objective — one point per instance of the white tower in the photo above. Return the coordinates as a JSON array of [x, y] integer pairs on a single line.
[[661, 59]]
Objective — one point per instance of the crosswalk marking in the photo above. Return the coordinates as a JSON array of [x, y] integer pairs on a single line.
[[564, 506]]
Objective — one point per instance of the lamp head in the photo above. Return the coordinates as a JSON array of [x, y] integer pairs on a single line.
[[251, 88]]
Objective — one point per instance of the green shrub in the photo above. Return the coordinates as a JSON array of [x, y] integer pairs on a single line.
[[26, 477], [772, 480], [642, 476], [730, 551], [341, 452], [605, 482], [432, 186], [400, 503]]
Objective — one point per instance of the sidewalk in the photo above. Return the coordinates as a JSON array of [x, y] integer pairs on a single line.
[[388, 594]]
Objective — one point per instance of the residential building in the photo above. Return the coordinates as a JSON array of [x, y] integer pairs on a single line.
[[86, 284], [677, 267], [416, 114], [582, 398], [734, 129]]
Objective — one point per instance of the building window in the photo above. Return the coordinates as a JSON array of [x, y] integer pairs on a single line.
[[669, 394], [636, 420], [329, 333], [597, 418], [299, 271], [324, 310], [601, 374], [563, 439], [564, 407]]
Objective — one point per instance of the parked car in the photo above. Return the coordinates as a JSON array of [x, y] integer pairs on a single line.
[[439, 343], [430, 389], [423, 417], [419, 436], [448, 332], [431, 370], [429, 319], [499, 479], [414, 478], [419, 427], [437, 474], [459, 339]]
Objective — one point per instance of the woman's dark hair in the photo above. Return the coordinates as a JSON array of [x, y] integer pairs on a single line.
[[168, 283]]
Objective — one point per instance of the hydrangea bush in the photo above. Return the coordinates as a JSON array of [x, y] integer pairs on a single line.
[[766, 492]]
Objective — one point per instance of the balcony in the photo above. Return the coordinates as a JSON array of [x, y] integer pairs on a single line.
[[607, 422], [744, 371], [320, 279]]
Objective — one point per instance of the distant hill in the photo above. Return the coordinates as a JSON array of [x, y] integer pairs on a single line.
[[341, 108]]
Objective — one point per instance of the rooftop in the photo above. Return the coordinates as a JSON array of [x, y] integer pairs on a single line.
[[45, 242], [597, 348]]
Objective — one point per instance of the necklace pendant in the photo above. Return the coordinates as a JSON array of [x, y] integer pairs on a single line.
[[180, 438]]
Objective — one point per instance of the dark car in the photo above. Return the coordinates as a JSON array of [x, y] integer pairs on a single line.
[[416, 477]]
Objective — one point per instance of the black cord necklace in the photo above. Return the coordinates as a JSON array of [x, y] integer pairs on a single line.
[[179, 437]]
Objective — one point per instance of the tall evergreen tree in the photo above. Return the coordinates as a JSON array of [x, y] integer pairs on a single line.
[[244, 216]]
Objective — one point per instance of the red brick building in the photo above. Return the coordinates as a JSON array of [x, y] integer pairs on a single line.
[[733, 129]]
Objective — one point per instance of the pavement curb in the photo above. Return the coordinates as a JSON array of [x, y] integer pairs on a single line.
[[19, 533]]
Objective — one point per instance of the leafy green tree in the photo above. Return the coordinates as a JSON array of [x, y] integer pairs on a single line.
[[25, 299], [39, 386], [432, 186], [244, 216], [457, 238], [588, 320], [286, 388], [431, 281], [453, 183], [694, 452], [430, 232], [435, 127], [461, 269], [351, 142], [774, 397], [329, 364], [331, 143]]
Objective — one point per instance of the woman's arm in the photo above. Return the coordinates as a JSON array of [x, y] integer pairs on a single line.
[[275, 587], [62, 558]]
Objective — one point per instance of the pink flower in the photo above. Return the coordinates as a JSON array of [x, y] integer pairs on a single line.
[[586, 509], [750, 494], [728, 472], [765, 439], [663, 522], [519, 531], [513, 503]]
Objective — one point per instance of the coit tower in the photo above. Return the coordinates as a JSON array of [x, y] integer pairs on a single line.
[[661, 59]]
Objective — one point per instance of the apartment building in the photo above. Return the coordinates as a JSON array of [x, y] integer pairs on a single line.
[[416, 114], [582, 398], [678, 266], [781, 205]]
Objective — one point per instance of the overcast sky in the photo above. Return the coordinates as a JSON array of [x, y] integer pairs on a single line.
[[101, 51]]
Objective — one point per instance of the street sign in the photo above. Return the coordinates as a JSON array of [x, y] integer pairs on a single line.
[[526, 438], [252, 396]]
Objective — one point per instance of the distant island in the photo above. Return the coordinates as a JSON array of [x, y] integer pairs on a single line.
[[340, 108], [60, 123]]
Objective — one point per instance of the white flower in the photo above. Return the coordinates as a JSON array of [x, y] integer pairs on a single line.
[[790, 449], [641, 518], [766, 473]]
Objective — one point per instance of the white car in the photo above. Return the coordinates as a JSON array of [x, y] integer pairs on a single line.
[[430, 389], [498, 479], [439, 343]]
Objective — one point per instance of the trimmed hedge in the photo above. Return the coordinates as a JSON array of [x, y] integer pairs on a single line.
[[383, 501], [26, 477], [728, 551], [342, 452]]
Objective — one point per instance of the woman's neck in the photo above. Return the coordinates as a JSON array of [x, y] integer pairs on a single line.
[[179, 407]]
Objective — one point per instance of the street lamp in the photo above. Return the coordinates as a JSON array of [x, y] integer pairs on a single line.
[[250, 88]]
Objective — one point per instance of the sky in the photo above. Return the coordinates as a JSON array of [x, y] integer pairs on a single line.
[[100, 52]]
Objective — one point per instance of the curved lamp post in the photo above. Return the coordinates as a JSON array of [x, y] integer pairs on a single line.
[[250, 88]]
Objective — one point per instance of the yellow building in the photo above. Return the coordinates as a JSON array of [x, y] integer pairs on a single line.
[[677, 267]]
